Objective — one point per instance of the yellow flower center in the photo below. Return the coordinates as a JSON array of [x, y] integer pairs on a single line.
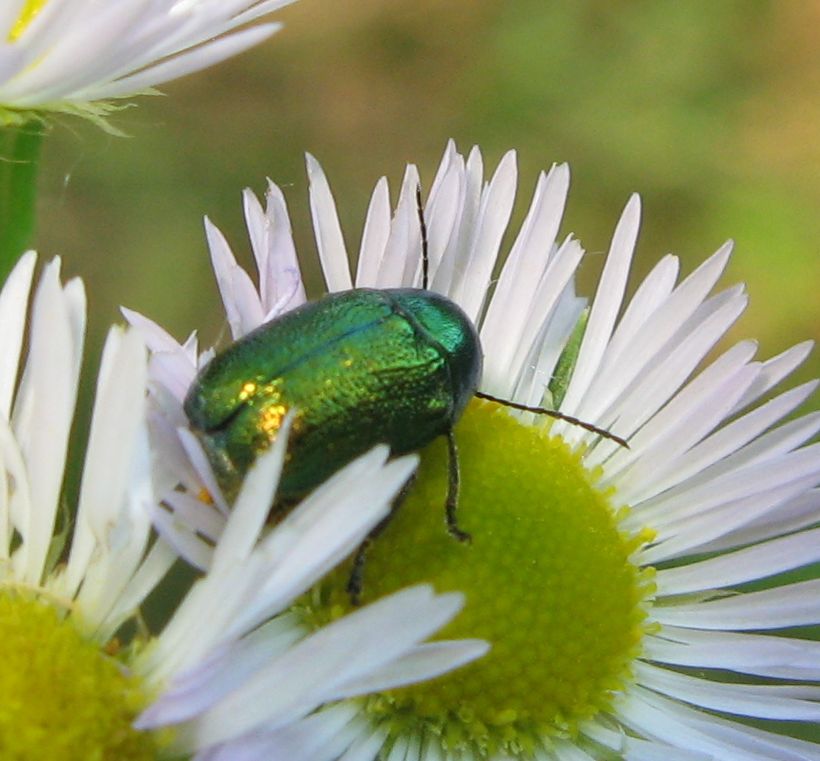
[[61, 696], [548, 579], [30, 10]]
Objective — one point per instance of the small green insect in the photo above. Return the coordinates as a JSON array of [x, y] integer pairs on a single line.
[[360, 367]]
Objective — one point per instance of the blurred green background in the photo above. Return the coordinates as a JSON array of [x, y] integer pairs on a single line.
[[710, 110]]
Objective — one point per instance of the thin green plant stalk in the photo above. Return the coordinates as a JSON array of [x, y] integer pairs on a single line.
[[19, 160]]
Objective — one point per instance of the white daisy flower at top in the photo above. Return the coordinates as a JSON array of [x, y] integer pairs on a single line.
[[81, 678], [640, 602], [78, 56]]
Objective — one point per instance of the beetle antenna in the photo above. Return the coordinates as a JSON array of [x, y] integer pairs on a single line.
[[425, 257], [555, 414]]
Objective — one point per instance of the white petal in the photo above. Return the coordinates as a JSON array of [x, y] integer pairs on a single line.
[[280, 279], [402, 258], [13, 309], [52, 354], [112, 441], [151, 571], [294, 684], [199, 461], [155, 337], [470, 283], [507, 354], [637, 750], [634, 395], [796, 604], [682, 417], [758, 654], [424, 662], [775, 369], [15, 504], [224, 265], [723, 442], [653, 716], [374, 236], [723, 505], [784, 702], [223, 671], [639, 315], [445, 205], [749, 564], [791, 515], [605, 306], [200, 57], [526, 263], [367, 746], [250, 510], [326, 527], [321, 737], [196, 550], [328, 232]]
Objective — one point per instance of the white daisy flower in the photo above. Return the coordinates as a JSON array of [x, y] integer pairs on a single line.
[[231, 672], [77, 56], [220, 674], [641, 602]]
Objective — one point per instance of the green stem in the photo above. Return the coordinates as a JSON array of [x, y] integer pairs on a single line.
[[19, 158]]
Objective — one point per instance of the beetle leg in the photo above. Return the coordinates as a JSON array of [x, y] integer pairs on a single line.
[[453, 483], [355, 581]]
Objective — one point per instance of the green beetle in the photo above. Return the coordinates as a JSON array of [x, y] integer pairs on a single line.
[[360, 367]]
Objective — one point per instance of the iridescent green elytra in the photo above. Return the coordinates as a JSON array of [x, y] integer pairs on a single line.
[[361, 367]]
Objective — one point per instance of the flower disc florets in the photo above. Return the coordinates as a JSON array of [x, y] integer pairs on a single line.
[[61, 695], [548, 579]]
